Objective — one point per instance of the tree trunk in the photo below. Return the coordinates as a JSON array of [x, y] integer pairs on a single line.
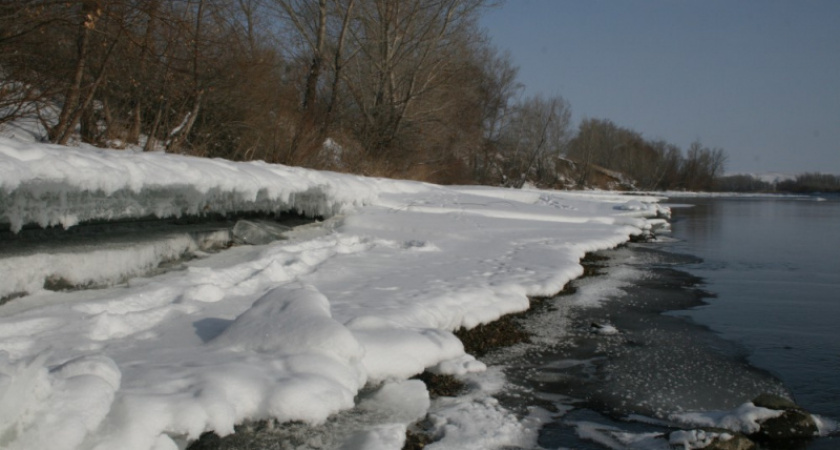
[[317, 59], [337, 65], [90, 14], [88, 101], [151, 140], [133, 136], [180, 135], [306, 122]]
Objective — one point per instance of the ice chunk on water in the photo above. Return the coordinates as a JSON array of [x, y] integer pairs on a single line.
[[258, 232]]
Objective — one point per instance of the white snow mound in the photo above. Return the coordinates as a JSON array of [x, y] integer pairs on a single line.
[[291, 330]]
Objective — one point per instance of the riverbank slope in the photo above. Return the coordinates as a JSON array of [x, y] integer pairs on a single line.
[[333, 317]]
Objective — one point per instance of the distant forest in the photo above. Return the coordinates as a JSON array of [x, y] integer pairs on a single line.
[[805, 183], [399, 88]]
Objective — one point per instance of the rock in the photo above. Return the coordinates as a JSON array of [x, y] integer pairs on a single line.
[[791, 425], [795, 424], [776, 402]]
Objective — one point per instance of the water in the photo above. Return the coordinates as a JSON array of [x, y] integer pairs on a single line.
[[774, 265], [744, 301]]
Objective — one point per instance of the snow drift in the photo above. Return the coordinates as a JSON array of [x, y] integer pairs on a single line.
[[290, 330]]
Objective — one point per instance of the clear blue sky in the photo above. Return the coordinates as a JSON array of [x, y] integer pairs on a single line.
[[758, 78]]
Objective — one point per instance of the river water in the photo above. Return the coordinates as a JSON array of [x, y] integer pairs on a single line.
[[741, 299], [774, 265]]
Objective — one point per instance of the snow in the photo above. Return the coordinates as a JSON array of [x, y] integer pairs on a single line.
[[614, 438], [103, 265], [291, 330], [478, 424], [746, 418], [691, 439], [54, 185], [477, 421]]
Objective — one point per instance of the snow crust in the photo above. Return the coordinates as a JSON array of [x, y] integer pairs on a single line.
[[291, 330]]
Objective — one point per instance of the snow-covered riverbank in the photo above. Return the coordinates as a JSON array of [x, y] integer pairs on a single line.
[[290, 330]]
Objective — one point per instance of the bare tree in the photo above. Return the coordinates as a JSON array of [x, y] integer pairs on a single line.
[[145, 50], [89, 13], [495, 88], [321, 29], [338, 61], [197, 58], [21, 84], [702, 165], [408, 87], [405, 48], [593, 145], [535, 137]]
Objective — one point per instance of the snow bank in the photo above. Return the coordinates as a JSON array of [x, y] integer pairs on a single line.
[[52, 185], [291, 330]]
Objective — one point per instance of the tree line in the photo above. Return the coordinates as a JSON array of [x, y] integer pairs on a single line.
[[805, 183], [648, 164], [810, 183], [402, 88]]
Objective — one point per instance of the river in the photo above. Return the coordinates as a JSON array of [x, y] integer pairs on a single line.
[[740, 299], [774, 266]]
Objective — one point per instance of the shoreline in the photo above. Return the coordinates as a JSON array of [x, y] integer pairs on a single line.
[[296, 331], [478, 341], [731, 366], [506, 332]]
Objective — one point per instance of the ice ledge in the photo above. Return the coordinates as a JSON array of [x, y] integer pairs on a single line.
[[49, 185], [49, 204]]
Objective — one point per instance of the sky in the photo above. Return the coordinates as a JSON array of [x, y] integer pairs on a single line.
[[757, 78]]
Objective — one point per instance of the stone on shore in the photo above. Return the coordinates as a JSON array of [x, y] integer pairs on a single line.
[[794, 424]]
